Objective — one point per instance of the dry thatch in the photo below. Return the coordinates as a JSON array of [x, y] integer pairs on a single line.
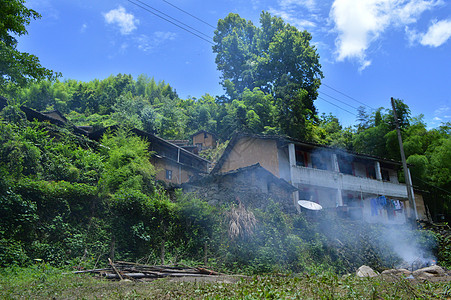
[[241, 222]]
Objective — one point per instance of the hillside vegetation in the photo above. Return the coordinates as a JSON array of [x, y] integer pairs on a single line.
[[68, 201]]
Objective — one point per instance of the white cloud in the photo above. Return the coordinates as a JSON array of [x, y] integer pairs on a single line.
[[361, 22], [148, 43], [437, 34], [287, 4], [126, 21], [288, 17], [295, 13], [83, 28], [411, 11], [441, 110], [436, 119]]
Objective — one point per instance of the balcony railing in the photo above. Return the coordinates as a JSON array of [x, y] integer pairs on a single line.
[[335, 180]]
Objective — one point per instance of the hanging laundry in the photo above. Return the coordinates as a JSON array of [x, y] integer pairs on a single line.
[[373, 203], [381, 201]]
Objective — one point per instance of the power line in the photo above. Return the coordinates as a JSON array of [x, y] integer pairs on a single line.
[[340, 101], [348, 96], [181, 27], [443, 190], [166, 15], [189, 14], [337, 106]]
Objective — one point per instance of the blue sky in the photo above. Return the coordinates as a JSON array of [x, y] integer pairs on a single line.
[[370, 50]]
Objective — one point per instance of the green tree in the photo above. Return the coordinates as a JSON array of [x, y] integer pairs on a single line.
[[127, 164], [17, 68], [276, 58]]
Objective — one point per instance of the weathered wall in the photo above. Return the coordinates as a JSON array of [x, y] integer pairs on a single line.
[[421, 208], [248, 151], [284, 164], [252, 190], [179, 174], [207, 142]]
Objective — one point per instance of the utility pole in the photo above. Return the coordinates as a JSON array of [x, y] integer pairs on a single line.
[[404, 165]]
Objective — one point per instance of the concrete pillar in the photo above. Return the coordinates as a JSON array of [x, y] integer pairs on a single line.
[[292, 160], [295, 200], [292, 155], [413, 196], [335, 166], [339, 197], [377, 167]]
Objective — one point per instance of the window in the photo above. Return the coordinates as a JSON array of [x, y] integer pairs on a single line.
[[169, 174], [345, 165], [385, 175], [318, 162], [205, 135], [371, 171], [300, 159]]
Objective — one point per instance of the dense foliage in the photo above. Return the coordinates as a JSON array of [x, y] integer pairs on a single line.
[[155, 107], [274, 63]]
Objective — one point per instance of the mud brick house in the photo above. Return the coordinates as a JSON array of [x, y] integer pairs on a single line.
[[254, 186], [174, 164], [204, 140], [355, 185]]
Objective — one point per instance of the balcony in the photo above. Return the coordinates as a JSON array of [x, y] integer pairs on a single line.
[[334, 180]]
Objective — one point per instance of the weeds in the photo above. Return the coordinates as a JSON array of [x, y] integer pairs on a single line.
[[44, 282]]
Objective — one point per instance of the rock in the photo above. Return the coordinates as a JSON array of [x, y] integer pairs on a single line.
[[365, 271], [432, 271], [397, 272]]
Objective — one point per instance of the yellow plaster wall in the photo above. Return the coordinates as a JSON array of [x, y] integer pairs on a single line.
[[248, 151], [421, 208], [205, 141], [179, 174]]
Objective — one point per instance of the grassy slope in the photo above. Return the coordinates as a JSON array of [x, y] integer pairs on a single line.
[[41, 282]]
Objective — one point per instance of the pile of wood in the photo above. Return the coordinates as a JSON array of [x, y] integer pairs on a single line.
[[128, 270]]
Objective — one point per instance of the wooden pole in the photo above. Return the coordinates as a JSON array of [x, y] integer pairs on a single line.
[[410, 195], [205, 253]]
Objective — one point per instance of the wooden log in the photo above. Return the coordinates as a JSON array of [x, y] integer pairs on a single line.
[[207, 271], [92, 271], [131, 275], [152, 275], [114, 268]]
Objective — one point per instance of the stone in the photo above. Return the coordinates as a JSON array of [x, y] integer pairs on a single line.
[[365, 271], [428, 272], [397, 272]]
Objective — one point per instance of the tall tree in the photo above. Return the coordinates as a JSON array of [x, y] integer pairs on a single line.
[[17, 68], [278, 59]]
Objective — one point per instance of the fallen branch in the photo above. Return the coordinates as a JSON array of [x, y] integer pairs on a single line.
[[114, 268]]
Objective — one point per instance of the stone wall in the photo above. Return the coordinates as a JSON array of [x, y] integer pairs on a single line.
[[252, 189]]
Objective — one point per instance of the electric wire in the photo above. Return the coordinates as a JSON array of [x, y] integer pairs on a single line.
[[321, 98], [443, 190], [347, 96], [173, 5], [173, 23], [168, 16], [339, 101]]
